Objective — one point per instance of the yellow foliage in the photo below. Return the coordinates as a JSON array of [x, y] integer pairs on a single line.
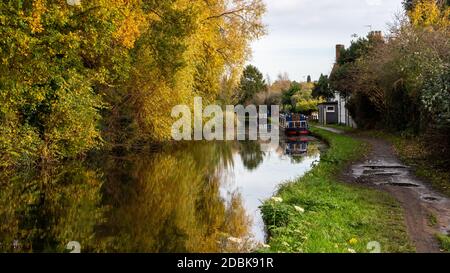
[[188, 58], [129, 28], [427, 13], [129, 31], [86, 54], [36, 17]]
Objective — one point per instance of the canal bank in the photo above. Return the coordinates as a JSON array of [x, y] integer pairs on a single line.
[[319, 213]]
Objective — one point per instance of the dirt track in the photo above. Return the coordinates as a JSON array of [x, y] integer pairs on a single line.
[[427, 212]]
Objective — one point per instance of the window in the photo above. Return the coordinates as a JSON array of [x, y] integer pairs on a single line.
[[330, 109]]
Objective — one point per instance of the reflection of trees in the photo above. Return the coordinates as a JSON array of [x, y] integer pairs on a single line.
[[295, 145], [313, 150], [172, 203], [251, 154], [165, 202], [43, 211]]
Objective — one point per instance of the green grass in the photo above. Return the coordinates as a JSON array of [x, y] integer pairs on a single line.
[[432, 220], [444, 240], [337, 217], [343, 128]]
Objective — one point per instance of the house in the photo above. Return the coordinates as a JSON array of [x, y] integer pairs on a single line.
[[334, 110], [328, 113]]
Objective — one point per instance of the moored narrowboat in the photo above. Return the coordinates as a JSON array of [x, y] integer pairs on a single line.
[[294, 124]]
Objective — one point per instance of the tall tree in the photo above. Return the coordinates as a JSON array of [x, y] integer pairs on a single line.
[[289, 93], [75, 75], [410, 4], [429, 13], [322, 88], [252, 83]]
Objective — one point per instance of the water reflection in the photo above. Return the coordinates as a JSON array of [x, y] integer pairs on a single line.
[[260, 180], [251, 154], [39, 212], [200, 197]]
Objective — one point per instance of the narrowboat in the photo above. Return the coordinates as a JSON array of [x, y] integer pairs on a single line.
[[294, 124]]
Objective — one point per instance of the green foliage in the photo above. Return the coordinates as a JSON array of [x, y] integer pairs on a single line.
[[322, 88], [307, 106], [444, 240], [342, 77], [436, 96], [287, 95], [297, 98], [276, 214], [252, 83], [359, 48], [363, 112]]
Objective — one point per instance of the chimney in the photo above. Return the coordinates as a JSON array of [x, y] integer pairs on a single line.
[[339, 48], [378, 35]]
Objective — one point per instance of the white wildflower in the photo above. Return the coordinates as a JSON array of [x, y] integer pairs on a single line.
[[351, 250], [299, 209]]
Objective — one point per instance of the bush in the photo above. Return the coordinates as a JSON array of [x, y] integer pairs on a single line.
[[276, 214]]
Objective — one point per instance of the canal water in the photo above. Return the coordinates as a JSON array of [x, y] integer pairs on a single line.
[[197, 197]]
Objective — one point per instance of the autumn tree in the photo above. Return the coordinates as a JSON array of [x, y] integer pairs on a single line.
[[429, 13], [194, 48], [55, 58], [76, 75], [410, 4]]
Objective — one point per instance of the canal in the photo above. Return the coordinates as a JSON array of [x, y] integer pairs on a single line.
[[196, 197]]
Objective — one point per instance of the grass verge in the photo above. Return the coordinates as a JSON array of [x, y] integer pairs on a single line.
[[317, 213]]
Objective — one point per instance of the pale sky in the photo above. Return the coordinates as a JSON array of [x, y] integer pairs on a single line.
[[303, 33]]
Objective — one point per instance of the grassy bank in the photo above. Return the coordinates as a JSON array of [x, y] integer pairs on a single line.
[[317, 213]]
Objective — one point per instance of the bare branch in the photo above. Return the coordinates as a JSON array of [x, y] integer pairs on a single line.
[[226, 13]]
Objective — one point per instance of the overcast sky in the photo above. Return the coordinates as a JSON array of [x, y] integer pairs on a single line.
[[303, 33]]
